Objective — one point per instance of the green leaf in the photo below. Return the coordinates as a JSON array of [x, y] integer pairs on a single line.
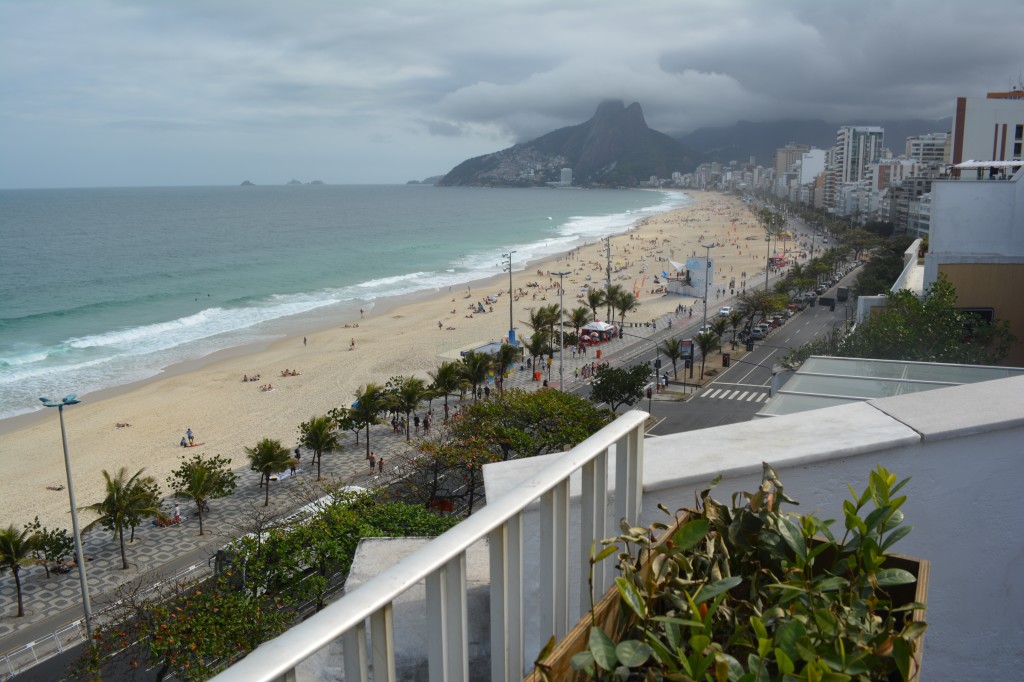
[[887, 577], [901, 654], [759, 628], [895, 537], [632, 653], [794, 538], [805, 649], [690, 534], [784, 662], [632, 597], [714, 589], [830, 584], [787, 635], [699, 643], [605, 553], [757, 666], [602, 649], [584, 660]]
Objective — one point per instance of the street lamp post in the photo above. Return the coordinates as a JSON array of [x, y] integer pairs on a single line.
[[707, 276], [79, 556], [511, 328], [561, 329]]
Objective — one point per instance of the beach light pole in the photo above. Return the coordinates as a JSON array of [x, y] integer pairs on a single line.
[[79, 556], [707, 276], [511, 328], [561, 329]]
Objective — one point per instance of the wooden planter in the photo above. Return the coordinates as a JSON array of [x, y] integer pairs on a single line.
[[606, 614]]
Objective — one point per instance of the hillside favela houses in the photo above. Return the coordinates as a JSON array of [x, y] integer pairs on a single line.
[[482, 600]]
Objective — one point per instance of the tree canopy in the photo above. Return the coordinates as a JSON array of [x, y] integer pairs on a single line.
[[619, 386]]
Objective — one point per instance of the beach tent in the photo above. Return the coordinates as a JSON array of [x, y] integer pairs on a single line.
[[602, 327]]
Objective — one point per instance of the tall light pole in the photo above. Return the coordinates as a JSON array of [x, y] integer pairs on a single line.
[[561, 328], [767, 259], [608, 274], [707, 276], [79, 556], [511, 329]]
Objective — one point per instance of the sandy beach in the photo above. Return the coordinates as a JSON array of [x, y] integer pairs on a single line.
[[399, 337]]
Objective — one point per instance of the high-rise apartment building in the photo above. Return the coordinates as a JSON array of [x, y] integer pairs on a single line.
[[856, 147], [989, 128], [929, 149]]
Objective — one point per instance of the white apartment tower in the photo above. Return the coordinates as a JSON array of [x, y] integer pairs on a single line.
[[856, 147], [566, 178], [929, 149]]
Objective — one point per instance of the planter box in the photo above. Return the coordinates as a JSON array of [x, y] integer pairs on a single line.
[[558, 662]]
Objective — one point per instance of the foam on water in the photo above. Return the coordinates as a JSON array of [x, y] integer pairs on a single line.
[[116, 356]]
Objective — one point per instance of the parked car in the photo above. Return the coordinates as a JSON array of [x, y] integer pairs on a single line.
[[757, 333]]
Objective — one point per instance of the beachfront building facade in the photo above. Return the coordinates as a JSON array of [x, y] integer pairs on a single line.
[[989, 128], [958, 445], [976, 239]]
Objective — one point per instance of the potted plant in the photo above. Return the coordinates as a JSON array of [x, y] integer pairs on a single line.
[[746, 592]]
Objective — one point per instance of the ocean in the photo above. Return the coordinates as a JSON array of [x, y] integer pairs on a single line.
[[104, 287]]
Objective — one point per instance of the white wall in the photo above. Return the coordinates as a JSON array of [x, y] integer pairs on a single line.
[[961, 446]]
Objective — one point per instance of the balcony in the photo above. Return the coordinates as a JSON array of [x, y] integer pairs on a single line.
[[960, 445]]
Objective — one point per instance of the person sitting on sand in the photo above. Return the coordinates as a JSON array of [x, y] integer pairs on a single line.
[[184, 442], [352, 344], [122, 425]]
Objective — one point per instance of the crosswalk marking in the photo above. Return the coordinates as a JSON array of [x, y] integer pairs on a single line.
[[728, 394]]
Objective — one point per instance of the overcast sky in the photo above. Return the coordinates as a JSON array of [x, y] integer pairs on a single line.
[[206, 92]]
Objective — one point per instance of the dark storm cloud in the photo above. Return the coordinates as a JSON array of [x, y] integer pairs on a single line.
[[409, 88]]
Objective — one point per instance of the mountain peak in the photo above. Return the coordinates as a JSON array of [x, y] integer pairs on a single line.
[[615, 147]]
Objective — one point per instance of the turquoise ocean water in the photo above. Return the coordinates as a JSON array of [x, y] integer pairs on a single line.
[[104, 287]]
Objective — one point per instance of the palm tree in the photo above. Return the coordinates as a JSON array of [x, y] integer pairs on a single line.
[[625, 303], [446, 379], [369, 403], [718, 325], [611, 299], [16, 547], [673, 350], [735, 318], [595, 298], [128, 501], [579, 318], [407, 397], [269, 457], [475, 367], [536, 346], [203, 483], [708, 342], [319, 436], [502, 360]]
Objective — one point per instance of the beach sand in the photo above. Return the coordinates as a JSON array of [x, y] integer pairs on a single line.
[[397, 338]]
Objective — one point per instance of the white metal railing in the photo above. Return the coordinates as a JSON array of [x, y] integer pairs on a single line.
[[442, 564]]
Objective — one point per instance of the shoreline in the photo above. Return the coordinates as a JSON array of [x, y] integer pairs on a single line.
[[399, 335]]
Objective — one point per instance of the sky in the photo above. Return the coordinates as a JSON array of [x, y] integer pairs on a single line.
[[110, 93]]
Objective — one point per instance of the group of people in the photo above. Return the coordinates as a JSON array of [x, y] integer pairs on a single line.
[[188, 440], [246, 378], [376, 463], [290, 372]]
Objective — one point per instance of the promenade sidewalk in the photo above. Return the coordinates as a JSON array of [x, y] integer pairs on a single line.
[[54, 604]]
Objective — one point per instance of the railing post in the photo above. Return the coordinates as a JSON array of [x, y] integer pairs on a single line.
[[357, 668], [506, 558], [456, 619], [437, 628], [593, 516], [554, 574], [382, 639]]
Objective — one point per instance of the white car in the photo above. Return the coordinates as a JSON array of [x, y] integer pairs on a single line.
[[724, 311]]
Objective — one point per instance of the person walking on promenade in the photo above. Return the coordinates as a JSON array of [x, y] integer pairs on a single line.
[[380, 465]]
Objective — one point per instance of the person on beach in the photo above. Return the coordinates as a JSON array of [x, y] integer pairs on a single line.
[[352, 345], [373, 461], [189, 434], [303, 341], [184, 442], [380, 465]]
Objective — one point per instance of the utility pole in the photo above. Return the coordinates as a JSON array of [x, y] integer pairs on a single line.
[[608, 274], [707, 276], [511, 329], [561, 330]]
